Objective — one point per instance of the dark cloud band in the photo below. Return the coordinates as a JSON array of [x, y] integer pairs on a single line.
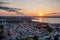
[[11, 9]]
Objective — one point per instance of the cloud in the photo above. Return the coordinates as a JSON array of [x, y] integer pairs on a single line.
[[53, 13], [11, 10], [1, 3]]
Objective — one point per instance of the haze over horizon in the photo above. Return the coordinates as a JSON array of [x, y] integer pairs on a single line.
[[29, 7]]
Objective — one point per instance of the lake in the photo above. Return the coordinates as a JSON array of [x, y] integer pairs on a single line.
[[49, 20]]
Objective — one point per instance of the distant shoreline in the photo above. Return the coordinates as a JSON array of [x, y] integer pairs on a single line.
[[17, 17], [35, 16]]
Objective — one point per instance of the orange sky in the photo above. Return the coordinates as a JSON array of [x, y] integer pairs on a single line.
[[28, 13], [33, 7]]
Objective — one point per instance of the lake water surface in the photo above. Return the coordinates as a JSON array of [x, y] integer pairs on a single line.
[[49, 20]]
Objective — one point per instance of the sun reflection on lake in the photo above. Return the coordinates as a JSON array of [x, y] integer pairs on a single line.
[[40, 20]]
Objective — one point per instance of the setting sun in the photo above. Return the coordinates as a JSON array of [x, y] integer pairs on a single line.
[[40, 14]]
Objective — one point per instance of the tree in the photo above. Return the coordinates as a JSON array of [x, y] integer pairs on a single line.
[[26, 38], [48, 28], [56, 38], [1, 32], [35, 38]]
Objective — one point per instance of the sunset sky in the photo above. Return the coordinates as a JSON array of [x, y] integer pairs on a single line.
[[30, 7]]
